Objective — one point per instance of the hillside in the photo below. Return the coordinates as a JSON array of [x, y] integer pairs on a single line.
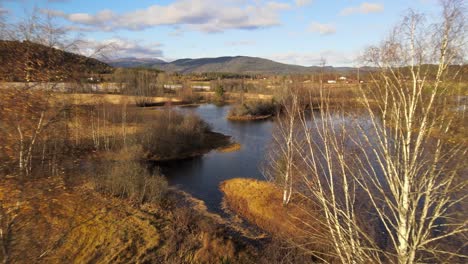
[[28, 61]]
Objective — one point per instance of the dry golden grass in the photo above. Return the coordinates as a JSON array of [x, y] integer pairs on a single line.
[[82, 131], [248, 118], [60, 225], [261, 203], [91, 99], [230, 148], [264, 199]]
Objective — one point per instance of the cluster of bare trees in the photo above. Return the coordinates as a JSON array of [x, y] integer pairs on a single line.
[[143, 84], [33, 120], [26, 112], [387, 186]]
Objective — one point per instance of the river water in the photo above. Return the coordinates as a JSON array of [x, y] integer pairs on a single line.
[[201, 176]]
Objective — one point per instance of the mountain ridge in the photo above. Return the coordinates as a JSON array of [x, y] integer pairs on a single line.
[[225, 64]]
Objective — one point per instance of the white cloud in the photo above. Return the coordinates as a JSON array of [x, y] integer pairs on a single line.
[[120, 48], [323, 29], [302, 3], [364, 8], [203, 15]]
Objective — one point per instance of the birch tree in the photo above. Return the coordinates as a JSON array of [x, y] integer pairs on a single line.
[[387, 181], [284, 143], [29, 110]]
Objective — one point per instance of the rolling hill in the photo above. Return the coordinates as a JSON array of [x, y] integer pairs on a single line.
[[238, 64], [27, 61]]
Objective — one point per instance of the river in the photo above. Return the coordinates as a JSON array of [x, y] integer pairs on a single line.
[[201, 176]]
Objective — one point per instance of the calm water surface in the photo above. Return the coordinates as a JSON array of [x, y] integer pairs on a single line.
[[201, 176]]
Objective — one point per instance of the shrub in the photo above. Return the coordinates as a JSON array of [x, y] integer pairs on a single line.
[[254, 108], [131, 180], [171, 134]]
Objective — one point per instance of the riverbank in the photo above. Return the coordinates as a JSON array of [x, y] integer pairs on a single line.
[[260, 203], [162, 133], [248, 118], [230, 148], [253, 110]]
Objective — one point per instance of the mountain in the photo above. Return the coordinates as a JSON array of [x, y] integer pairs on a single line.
[[132, 62], [237, 64], [29, 61]]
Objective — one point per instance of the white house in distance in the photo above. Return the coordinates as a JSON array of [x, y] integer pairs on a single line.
[[342, 78], [173, 86], [331, 81]]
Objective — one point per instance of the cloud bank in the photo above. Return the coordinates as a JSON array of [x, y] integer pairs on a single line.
[[125, 47], [202, 15]]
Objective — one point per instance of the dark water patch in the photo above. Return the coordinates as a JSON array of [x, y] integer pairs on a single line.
[[201, 176]]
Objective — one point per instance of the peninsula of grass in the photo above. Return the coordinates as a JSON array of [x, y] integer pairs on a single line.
[[252, 111], [233, 147], [261, 203]]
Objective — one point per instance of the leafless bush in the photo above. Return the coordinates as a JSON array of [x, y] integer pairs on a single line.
[[171, 134], [254, 108], [131, 180], [194, 237]]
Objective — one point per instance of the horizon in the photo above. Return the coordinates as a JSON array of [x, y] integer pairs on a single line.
[[177, 29]]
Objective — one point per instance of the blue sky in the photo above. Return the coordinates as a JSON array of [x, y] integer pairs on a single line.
[[289, 31]]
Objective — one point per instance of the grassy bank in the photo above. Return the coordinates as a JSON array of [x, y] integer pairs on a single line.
[[230, 148], [260, 202], [248, 118]]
